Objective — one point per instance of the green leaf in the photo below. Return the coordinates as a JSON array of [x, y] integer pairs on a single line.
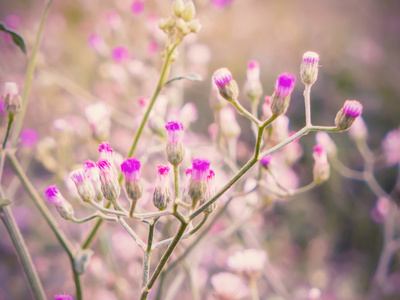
[[18, 40], [191, 77], [4, 202]]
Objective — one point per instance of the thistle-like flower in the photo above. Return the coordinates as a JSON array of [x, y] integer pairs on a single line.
[[210, 192], [84, 185], [280, 99], [198, 180], [321, 169], [162, 193], [131, 169], [227, 86], [348, 113], [309, 67], [54, 196], [11, 98], [175, 150], [109, 182], [92, 172]]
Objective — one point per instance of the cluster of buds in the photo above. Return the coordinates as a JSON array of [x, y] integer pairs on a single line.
[[348, 114], [227, 86], [321, 169], [162, 193], [175, 150], [182, 21], [309, 67], [280, 99], [11, 98], [198, 180], [253, 87], [64, 208]]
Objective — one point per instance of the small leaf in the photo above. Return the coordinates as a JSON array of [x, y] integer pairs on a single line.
[[18, 40], [4, 202], [191, 77]]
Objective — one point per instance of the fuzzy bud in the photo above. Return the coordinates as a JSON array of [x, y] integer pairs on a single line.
[[188, 12], [109, 182], [198, 181], [347, 115], [358, 131], [84, 185], [266, 161], [309, 67], [11, 98], [178, 8], [321, 169], [162, 193], [92, 172], [131, 169], [210, 192], [284, 86], [195, 26], [175, 150], [53, 195], [253, 87], [227, 86], [324, 139]]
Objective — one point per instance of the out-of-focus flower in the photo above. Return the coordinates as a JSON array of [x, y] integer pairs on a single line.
[[162, 193], [249, 263], [99, 118], [175, 150], [309, 67], [92, 172], [137, 7], [29, 138], [11, 98], [210, 192], [381, 210], [198, 182], [96, 42], [347, 114], [227, 86], [120, 54], [314, 294], [54, 196], [114, 20], [253, 87], [266, 161], [321, 169], [188, 114], [228, 286], [324, 139], [131, 169], [358, 131], [284, 86], [391, 145], [84, 185], [229, 126], [185, 191], [280, 129], [266, 108], [220, 4], [63, 297]]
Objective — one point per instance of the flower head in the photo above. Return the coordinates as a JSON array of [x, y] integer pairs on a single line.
[[229, 286], [53, 195], [63, 297], [84, 185], [266, 161], [109, 182], [347, 115], [162, 194], [227, 86], [249, 263], [11, 98], [92, 172], [99, 118], [137, 7], [198, 183], [131, 168], [309, 67], [391, 145], [120, 54], [106, 152], [253, 87], [175, 150], [284, 86], [210, 192], [321, 169]]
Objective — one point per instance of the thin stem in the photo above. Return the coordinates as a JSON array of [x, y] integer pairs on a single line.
[[77, 281], [246, 113], [91, 217], [176, 184], [94, 230], [147, 253], [137, 239], [29, 76], [254, 289], [163, 260], [10, 120], [106, 210], [307, 102]]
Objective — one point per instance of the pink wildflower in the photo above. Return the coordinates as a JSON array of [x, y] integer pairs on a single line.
[[391, 145]]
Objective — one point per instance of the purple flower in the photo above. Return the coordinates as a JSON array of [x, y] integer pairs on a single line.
[[222, 76], [29, 137], [352, 108], [162, 194], [321, 169], [391, 145], [53, 195], [106, 152], [120, 54], [200, 167], [92, 172], [266, 161], [109, 181], [84, 185], [284, 85], [137, 7], [227, 86], [175, 132], [131, 168], [63, 297], [309, 67]]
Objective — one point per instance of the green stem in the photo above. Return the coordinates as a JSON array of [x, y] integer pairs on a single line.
[[246, 113], [78, 287], [29, 76], [137, 239], [10, 120], [176, 184], [93, 232], [147, 253], [146, 290], [254, 289]]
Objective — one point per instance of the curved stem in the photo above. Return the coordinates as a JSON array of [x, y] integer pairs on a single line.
[[10, 120], [147, 253], [29, 76], [176, 184], [137, 239], [246, 113]]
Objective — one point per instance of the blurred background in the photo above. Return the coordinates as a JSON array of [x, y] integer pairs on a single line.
[[326, 238]]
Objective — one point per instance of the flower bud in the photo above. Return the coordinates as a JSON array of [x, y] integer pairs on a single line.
[[175, 150], [321, 169], [178, 7], [63, 207], [182, 26], [92, 172], [162, 24], [281, 97], [63, 297], [11, 98], [229, 126], [359, 130], [253, 87], [309, 67], [185, 191], [210, 192], [195, 26], [131, 169], [109, 182], [227, 86], [188, 12], [349, 112], [84, 185], [162, 193], [198, 181], [324, 139], [266, 161], [99, 119]]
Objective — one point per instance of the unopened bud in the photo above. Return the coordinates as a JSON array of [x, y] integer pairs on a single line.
[[175, 150], [162, 193], [227, 86], [109, 182], [229, 126], [178, 8], [266, 161], [64, 208], [162, 24], [195, 26], [11, 98], [84, 185], [188, 12], [182, 26], [198, 181], [210, 193], [170, 23], [253, 87], [358, 131], [281, 97], [321, 169], [309, 67], [92, 171], [347, 115], [131, 169]]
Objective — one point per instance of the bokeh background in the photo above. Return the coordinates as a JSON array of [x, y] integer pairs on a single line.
[[325, 238]]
